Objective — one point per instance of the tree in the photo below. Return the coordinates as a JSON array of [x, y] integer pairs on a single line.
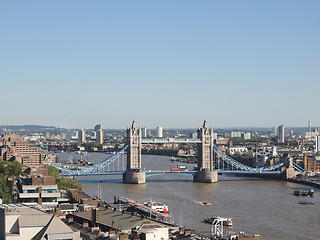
[[63, 183]]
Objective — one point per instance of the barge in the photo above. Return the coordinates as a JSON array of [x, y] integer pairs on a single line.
[[303, 193]]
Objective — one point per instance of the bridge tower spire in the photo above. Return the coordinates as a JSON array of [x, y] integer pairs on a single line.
[[205, 171], [133, 174]]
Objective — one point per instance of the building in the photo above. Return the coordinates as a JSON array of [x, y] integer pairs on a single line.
[[281, 133], [82, 136], [309, 163], [246, 136], [235, 134], [38, 189], [12, 147], [275, 133], [99, 136], [159, 132], [20, 222], [311, 136], [236, 150], [317, 148], [144, 132], [309, 126], [79, 196], [97, 127]]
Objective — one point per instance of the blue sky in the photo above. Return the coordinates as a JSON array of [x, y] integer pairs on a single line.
[[164, 63]]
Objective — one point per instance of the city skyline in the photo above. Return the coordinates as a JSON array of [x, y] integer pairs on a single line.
[[170, 64]]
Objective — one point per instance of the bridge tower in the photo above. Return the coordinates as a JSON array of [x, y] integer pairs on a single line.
[[205, 171], [289, 171], [133, 173]]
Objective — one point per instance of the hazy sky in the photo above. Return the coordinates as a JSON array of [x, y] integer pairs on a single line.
[[164, 63]]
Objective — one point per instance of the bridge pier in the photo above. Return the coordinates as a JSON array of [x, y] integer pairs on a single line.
[[290, 172], [133, 174], [206, 173], [134, 177], [206, 176]]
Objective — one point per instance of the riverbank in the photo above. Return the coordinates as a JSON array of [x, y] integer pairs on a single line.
[[305, 182]]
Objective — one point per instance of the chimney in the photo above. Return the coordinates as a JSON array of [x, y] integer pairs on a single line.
[[85, 224], [94, 215], [70, 218], [58, 211]]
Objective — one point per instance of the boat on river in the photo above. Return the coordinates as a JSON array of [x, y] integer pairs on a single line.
[[228, 222], [303, 193], [157, 207], [205, 203], [306, 203]]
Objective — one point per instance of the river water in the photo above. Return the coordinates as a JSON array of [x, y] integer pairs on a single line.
[[257, 206]]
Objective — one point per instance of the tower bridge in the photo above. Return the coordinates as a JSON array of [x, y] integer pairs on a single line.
[[207, 167], [206, 172]]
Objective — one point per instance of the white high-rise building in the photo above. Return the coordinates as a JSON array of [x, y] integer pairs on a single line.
[[275, 133], [281, 133], [246, 136], [309, 126], [317, 144], [82, 136], [99, 138], [160, 132], [144, 132]]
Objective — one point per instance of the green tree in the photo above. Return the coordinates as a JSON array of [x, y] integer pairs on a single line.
[[5, 194], [63, 183]]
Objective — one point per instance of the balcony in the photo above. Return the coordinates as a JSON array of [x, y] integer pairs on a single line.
[[28, 195], [54, 195]]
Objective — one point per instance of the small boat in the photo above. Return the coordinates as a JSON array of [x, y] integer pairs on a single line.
[[157, 207], [306, 203], [228, 222], [173, 159], [182, 168], [299, 193], [205, 203]]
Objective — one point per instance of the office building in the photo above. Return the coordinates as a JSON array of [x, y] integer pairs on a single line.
[[281, 133], [38, 188], [20, 222], [97, 127], [246, 136], [99, 136], [317, 149], [309, 126], [275, 133], [82, 136], [160, 132], [144, 132], [12, 147], [235, 134]]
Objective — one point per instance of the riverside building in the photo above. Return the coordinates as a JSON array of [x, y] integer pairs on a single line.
[[12, 147]]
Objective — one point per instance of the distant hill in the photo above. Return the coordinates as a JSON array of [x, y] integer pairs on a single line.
[[27, 127]]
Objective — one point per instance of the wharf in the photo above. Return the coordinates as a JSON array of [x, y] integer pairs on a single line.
[[139, 208]]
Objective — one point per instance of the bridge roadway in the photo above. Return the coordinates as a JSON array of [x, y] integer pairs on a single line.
[[161, 172], [170, 140]]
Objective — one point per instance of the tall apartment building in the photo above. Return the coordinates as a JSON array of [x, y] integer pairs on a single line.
[[38, 189], [144, 132], [12, 147], [246, 136], [317, 148], [82, 136], [99, 136], [160, 132], [281, 133]]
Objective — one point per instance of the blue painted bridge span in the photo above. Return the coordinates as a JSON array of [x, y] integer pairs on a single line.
[[226, 165]]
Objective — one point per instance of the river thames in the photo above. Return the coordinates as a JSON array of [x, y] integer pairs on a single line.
[[257, 206]]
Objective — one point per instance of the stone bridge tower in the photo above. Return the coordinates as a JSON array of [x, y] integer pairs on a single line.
[[205, 171], [133, 173]]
